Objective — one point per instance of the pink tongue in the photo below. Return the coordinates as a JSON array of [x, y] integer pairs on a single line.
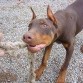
[[40, 46], [36, 48]]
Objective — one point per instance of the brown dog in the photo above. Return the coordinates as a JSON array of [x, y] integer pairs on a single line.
[[60, 27]]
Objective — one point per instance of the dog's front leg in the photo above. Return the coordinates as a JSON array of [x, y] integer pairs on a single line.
[[41, 68], [69, 51]]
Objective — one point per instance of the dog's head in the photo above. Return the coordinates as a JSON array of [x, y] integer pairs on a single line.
[[41, 32]]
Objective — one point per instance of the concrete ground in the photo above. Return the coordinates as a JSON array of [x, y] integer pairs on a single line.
[[15, 16]]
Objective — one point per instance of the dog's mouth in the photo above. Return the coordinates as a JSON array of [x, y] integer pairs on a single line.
[[35, 48]]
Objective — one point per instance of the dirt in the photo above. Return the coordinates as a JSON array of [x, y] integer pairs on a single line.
[[15, 15], [7, 77]]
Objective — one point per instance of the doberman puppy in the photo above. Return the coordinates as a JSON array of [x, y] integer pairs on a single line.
[[61, 27]]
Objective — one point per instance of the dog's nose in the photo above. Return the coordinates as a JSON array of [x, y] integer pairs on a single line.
[[27, 37]]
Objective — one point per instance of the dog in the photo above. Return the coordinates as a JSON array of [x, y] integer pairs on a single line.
[[60, 27]]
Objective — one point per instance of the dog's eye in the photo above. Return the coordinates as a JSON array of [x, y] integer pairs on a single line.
[[43, 25], [30, 25]]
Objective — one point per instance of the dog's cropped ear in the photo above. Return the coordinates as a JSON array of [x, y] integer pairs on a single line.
[[51, 15], [34, 15]]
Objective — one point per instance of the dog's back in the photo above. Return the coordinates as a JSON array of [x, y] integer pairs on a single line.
[[77, 6]]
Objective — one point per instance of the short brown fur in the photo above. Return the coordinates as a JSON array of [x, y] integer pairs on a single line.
[[61, 27]]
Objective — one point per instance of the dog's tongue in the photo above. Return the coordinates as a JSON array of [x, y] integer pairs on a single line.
[[40, 46], [36, 48]]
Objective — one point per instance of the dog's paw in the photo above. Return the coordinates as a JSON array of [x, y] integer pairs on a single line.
[[38, 73], [60, 79]]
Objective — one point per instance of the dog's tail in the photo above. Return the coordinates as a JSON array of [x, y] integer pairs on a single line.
[[81, 49]]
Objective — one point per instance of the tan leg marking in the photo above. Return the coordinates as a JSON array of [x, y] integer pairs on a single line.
[[41, 68]]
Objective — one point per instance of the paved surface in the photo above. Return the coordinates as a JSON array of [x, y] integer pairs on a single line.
[[14, 66]]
